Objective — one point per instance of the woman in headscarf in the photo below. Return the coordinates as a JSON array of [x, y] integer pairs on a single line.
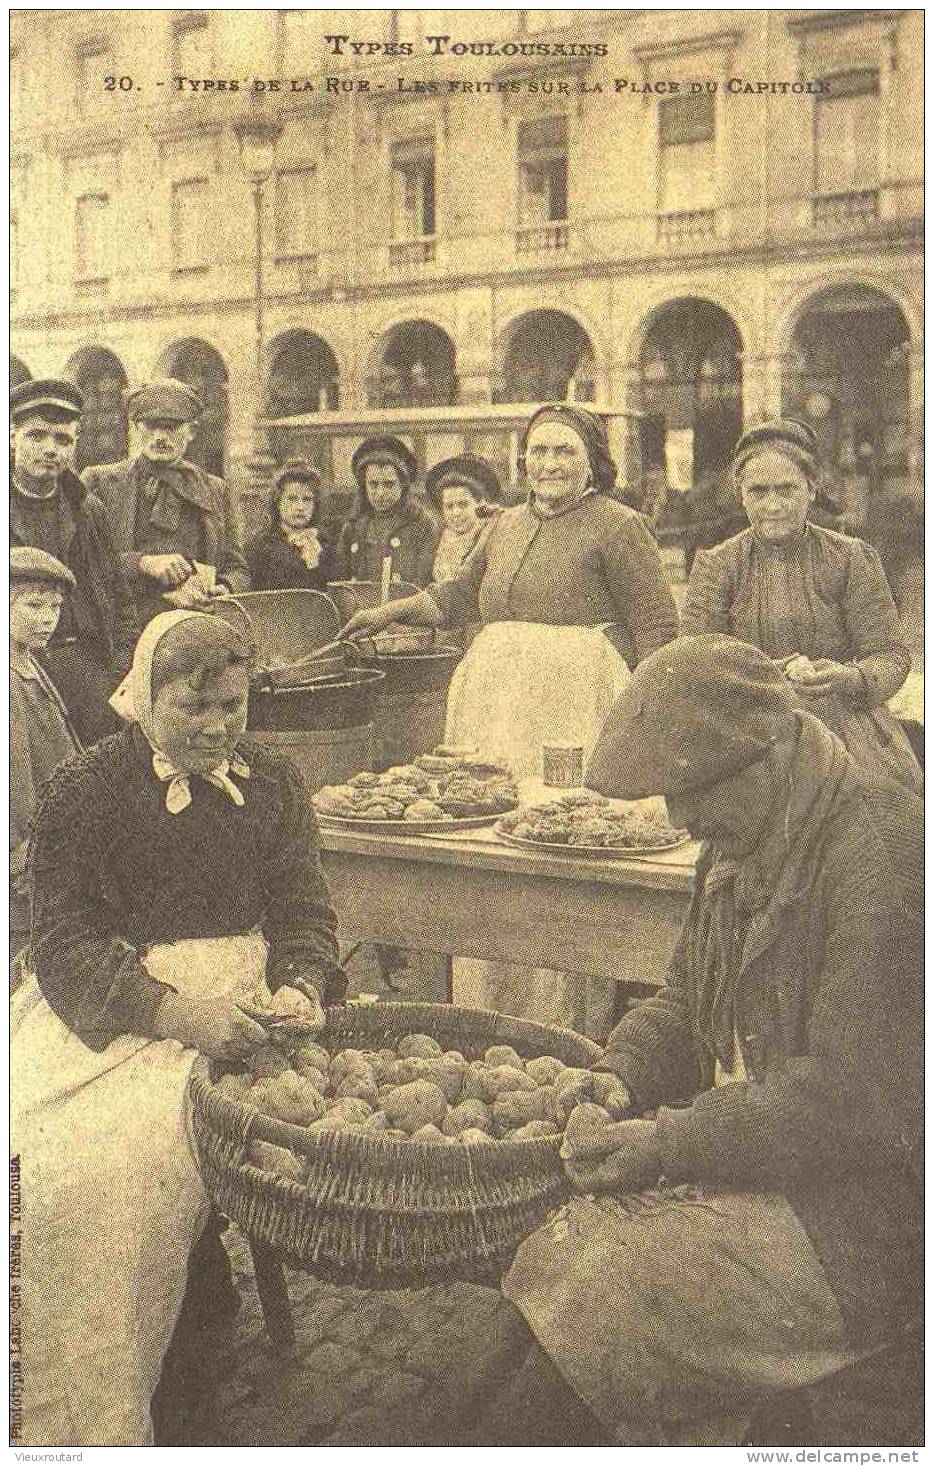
[[465, 492], [815, 601], [387, 519], [292, 552], [175, 883], [570, 589]]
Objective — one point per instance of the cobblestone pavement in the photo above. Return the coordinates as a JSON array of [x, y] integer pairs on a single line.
[[365, 1364]]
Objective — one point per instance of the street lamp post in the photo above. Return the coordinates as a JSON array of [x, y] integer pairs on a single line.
[[257, 138]]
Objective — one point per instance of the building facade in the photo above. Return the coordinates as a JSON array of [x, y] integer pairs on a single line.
[[706, 215]]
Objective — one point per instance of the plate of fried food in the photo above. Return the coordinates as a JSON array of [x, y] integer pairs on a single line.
[[586, 823], [451, 788]]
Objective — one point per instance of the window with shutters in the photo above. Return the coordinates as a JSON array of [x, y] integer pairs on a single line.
[[191, 225], [543, 171], [846, 134], [192, 50], [92, 237], [413, 189], [296, 213], [687, 142]]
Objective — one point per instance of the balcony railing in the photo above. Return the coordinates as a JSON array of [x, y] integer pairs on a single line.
[[543, 238], [689, 227], [412, 254], [846, 210]]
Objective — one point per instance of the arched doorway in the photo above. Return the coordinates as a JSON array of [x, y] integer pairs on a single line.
[[690, 390], [303, 377], [98, 374], [847, 374], [19, 372], [548, 358], [200, 367], [414, 367]]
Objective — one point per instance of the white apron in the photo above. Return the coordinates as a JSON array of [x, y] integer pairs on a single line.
[[521, 685], [112, 1202]]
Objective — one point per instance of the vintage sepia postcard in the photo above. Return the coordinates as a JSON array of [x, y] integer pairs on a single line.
[[467, 729]]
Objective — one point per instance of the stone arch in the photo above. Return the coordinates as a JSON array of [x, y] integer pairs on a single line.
[[414, 364], [99, 374], [200, 366], [546, 355]]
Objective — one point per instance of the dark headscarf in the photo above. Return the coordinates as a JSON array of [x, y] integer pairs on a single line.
[[292, 471], [465, 471], [589, 428], [785, 435]]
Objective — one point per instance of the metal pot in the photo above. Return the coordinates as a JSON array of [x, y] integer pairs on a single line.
[[344, 699]]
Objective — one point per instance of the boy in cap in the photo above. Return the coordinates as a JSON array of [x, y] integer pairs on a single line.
[[52, 510], [41, 736], [177, 527], [762, 1230]]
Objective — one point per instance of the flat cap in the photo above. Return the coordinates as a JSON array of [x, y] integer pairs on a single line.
[[62, 398], [31, 564], [696, 711], [164, 398], [384, 449], [467, 469]]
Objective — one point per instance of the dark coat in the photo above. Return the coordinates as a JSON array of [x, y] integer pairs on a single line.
[[829, 1019], [114, 873], [275, 564], [217, 539], [102, 610], [367, 537]]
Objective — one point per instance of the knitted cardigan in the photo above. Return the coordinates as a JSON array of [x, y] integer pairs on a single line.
[[113, 873]]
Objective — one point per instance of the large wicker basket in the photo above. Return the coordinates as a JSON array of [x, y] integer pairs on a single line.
[[378, 1210]]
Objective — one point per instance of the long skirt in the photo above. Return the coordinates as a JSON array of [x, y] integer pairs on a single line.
[[672, 1312], [520, 686], [112, 1202]]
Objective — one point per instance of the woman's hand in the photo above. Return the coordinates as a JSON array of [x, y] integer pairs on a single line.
[[826, 678], [632, 1164], [215, 1026], [367, 623]]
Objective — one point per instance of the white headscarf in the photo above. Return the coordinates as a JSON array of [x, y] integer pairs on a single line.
[[133, 702]]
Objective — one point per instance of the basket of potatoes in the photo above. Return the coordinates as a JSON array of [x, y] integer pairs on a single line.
[[411, 1143]]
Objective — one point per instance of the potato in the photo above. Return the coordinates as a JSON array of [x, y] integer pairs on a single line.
[[520, 1107], [347, 1060], [504, 1079], [351, 1110], [315, 1055], [474, 1080], [416, 1104], [587, 1128], [419, 1046], [545, 1069], [431, 1135], [376, 1121], [404, 1071], [357, 1086], [534, 1130], [475, 1137], [277, 1159], [314, 1076], [296, 1099], [468, 1115], [502, 1054], [454, 1056]]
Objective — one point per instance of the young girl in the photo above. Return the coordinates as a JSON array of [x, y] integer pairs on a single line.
[[292, 553], [41, 737], [387, 519]]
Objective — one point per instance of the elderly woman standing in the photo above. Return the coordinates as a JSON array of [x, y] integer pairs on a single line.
[[386, 520], [814, 600], [175, 876], [570, 589]]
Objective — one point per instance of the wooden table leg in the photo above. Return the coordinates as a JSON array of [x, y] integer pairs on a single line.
[[273, 1297]]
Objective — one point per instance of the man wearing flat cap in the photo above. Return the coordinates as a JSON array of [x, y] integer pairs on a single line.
[[177, 527], [52, 511], [747, 1160]]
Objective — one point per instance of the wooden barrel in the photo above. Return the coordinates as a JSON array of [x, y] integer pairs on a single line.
[[323, 755], [407, 724]]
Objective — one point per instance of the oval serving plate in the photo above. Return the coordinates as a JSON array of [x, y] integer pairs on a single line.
[[410, 827], [595, 852]]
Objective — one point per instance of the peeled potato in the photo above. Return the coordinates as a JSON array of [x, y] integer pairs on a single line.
[[419, 1046]]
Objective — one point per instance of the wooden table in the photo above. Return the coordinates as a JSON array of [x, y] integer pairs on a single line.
[[472, 895]]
